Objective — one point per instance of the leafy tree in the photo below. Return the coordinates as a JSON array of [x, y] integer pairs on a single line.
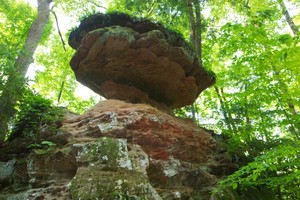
[[56, 69], [277, 170], [15, 62], [76, 8], [258, 107]]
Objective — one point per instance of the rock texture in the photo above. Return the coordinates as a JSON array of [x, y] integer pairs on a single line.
[[116, 150], [136, 61]]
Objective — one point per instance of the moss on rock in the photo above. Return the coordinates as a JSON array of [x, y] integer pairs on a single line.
[[110, 173], [92, 183]]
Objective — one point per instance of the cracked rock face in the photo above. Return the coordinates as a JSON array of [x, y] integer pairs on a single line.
[[137, 65]]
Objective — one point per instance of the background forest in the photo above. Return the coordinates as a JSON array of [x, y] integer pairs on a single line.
[[252, 46]]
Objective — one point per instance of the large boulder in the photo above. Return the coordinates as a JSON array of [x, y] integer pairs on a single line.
[[136, 61]]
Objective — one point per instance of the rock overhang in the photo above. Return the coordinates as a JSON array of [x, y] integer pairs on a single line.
[[136, 61]]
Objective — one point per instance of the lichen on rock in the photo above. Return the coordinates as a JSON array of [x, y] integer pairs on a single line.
[[93, 183], [110, 171], [109, 152]]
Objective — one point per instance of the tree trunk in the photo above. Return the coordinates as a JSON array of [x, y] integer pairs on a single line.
[[33, 38], [198, 38], [295, 31], [294, 130], [192, 40], [227, 116], [15, 83], [192, 21], [193, 7], [288, 18], [292, 110]]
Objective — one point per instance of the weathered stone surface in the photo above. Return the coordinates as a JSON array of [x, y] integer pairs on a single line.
[[173, 152], [115, 150], [6, 172], [137, 64], [46, 168], [160, 135], [112, 171]]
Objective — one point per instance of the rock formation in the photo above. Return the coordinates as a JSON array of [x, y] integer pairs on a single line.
[[116, 150], [127, 147], [136, 61]]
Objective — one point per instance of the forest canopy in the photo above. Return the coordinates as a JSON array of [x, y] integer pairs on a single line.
[[253, 47]]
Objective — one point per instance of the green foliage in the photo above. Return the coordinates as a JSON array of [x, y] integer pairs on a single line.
[[43, 147], [56, 70], [254, 99], [77, 8], [277, 169], [35, 114], [15, 18]]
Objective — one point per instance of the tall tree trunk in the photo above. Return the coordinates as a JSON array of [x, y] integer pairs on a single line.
[[14, 84], [198, 38], [194, 11], [190, 9], [292, 109], [294, 130], [25, 57], [225, 110], [192, 21], [295, 31], [288, 18]]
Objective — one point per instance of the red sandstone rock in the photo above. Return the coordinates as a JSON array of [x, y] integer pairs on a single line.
[[145, 57], [160, 135], [116, 148]]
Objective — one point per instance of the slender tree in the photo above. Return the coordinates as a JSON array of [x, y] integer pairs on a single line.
[[16, 79], [288, 17]]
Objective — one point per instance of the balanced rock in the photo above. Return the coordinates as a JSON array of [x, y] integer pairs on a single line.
[[136, 61], [116, 150]]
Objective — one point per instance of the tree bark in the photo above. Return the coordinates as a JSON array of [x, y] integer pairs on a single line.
[[198, 38], [194, 11], [190, 9], [227, 116], [295, 31], [33, 38], [288, 18], [192, 21], [15, 82]]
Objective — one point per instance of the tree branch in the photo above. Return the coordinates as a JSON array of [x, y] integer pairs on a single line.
[[98, 5], [60, 35], [288, 18]]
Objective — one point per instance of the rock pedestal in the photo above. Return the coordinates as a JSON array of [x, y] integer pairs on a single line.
[[116, 150]]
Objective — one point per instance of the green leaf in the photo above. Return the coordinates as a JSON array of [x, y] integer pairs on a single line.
[[234, 185]]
